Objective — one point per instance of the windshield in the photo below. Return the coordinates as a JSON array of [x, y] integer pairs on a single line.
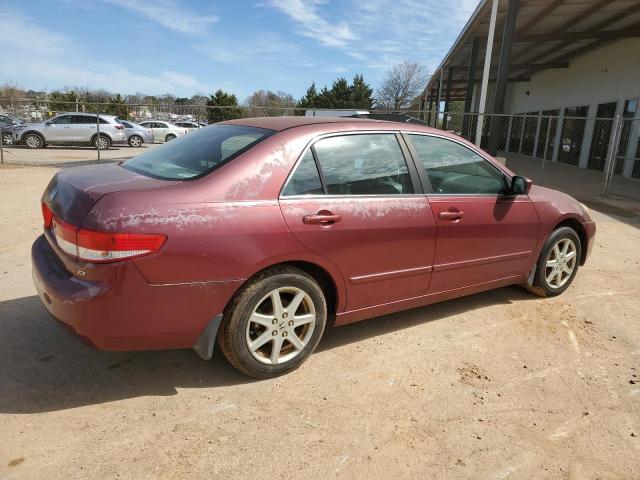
[[197, 153]]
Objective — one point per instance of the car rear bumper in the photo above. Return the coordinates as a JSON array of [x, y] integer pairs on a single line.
[[119, 310]]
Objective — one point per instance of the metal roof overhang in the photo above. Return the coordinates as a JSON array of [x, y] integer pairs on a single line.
[[547, 34]]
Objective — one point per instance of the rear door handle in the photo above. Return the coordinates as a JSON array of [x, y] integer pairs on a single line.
[[450, 215], [321, 218]]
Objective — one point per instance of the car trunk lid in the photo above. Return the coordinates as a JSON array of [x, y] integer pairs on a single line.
[[73, 192]]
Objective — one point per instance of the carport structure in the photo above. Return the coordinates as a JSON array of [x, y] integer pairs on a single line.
[[507, 41]]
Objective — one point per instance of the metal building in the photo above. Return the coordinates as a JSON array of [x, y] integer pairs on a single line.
[[565, 73]]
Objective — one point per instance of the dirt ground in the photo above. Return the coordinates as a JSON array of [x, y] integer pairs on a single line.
[[60, 156], [496, 385]]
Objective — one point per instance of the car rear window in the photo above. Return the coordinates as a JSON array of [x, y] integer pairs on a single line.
[[197, 154]]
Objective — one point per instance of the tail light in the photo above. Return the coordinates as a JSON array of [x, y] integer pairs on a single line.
[[101, 247], [47, 215], [118, 127]]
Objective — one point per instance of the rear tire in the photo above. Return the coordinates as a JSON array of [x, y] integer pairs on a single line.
[[7, 139], [281, 310], [101, 142], [558, 263], [169, 137], [33, 140], [135, 141]]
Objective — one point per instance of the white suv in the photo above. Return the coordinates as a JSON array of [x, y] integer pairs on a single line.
[[72, 129], [163, 131]]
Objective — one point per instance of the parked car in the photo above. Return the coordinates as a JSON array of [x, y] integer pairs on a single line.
[[254, 232], [390, 117], [72, 129], [312, 112], [6, 134], [163, 131], [136, 134], [190, 125], [8, 123]]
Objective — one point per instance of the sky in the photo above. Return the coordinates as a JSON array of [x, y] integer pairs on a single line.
[[187, 47]]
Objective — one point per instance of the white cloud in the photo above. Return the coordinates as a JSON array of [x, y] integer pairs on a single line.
[[171, 14], [312, 25], [381, 33], [54, 70]]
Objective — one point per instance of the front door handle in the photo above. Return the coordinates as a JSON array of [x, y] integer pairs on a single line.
[[450, 215], [321, 218]]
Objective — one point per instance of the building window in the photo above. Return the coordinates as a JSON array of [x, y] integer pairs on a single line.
[[601, 136], [624, 150], [573, 127], [547, 135]]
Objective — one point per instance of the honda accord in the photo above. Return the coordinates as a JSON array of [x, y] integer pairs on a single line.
[[257, 233]]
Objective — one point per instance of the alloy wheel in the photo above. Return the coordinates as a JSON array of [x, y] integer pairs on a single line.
[[33, 141], [281, 325], [561, 263], [7, 139], [135, 141], [102, 143]]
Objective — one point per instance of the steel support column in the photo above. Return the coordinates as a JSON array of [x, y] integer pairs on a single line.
[[447, 98], [485, 73], [438, 99], [471, 74], [503, 66]]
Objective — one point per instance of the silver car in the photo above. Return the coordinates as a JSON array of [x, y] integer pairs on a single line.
[[72, 129], [163, 131], [136, 134]]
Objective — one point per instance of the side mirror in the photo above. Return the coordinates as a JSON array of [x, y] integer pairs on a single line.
[[47, 123], [520, 185]]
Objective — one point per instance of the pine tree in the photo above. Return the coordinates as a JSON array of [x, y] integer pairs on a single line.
[[361, 93], [220, 107], [310, 99]]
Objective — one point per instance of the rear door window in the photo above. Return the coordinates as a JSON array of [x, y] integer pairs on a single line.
[[363, 164], [197, 154], [63, 120], [306, 179]]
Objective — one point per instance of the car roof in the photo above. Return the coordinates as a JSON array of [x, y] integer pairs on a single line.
[[285, 123]]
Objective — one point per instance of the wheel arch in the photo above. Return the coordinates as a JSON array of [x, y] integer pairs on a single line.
[[327, 276], [104, 134], [35, 132], [576, 226]]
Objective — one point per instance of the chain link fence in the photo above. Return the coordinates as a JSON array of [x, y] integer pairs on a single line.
[[562, 149]]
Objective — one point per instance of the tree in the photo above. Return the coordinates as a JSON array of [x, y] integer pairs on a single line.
[[325, 98], [222, 106], [270, 104], [361, 93], [340, 93], [118, 107], [65, 101], [401, 85], [310, 99]]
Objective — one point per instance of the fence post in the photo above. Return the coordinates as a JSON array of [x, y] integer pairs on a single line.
[[610, 163], [98, 131], [544, 153]]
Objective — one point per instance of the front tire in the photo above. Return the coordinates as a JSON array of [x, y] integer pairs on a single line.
[[558, 263], [33, 140], [274, 323], [169, 137], [7, 139]]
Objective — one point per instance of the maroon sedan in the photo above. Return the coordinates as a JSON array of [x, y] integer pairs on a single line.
[[254, 232]]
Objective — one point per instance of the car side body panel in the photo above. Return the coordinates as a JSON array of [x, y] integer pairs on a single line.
[[225, 227], [494, 239]]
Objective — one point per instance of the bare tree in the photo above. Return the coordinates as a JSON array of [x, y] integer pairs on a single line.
[[401, 85]]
